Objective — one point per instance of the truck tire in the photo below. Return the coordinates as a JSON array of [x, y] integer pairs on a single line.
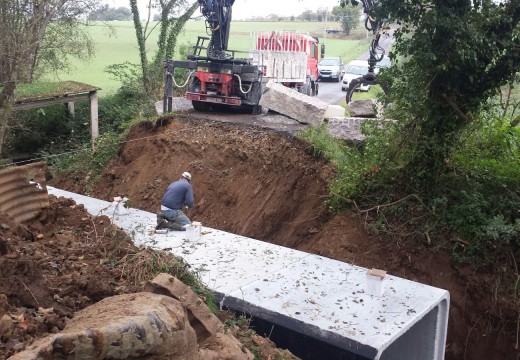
[[307, 88], [195, 88]]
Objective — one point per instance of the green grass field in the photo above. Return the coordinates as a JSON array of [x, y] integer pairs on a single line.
[[116, 43]]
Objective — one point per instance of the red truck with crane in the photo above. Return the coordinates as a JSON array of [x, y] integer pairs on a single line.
[[219, 79]]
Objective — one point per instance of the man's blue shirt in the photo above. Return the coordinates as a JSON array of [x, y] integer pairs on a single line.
[[178, 194]]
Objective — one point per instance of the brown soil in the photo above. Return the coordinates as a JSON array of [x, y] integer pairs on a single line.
[[268, 185], [51, 269], [63, 262]]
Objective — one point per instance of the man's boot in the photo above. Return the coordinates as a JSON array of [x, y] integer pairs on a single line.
[[175, 226], [161, 222]]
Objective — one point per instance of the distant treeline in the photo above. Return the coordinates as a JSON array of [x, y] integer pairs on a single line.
[[107, 13]]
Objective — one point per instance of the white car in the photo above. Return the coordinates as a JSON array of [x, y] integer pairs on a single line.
[[356, 69]]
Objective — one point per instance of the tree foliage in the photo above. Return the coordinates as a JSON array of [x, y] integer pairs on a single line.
[[449, 166], [24, 25], [174, 14], [453, 55], [347, 16], [107, 13]]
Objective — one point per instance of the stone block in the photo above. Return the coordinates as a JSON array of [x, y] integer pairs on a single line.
[[289, 102], [362, 108], [207, 323], [334, 111]]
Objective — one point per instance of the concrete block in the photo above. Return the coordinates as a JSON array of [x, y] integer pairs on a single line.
[[323, 299], [362, 108], [291, 103], [334, 111]]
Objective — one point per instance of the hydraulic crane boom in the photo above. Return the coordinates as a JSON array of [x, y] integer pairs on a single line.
[[218, 80], [218, 21], [376, 52]]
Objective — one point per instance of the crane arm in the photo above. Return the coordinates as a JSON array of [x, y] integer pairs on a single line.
[[218, 21], [376, 52]]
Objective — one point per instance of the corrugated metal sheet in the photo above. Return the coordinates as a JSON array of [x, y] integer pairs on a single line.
[[23, 191]]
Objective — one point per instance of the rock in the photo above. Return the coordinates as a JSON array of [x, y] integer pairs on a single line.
[[208, 324], [334, 111], [289, 102], [224, 346], [4, 226], [120, 327], [362, 108], [142, 326], [6, 325]]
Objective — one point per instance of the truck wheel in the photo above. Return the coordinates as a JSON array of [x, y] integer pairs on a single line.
[[256, 109], [307, 88]]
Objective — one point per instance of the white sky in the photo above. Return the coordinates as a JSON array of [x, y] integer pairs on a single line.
[[243, 9]]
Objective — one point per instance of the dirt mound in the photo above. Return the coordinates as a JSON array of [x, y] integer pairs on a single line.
[[269, 185], [51, 269], [61, 263]]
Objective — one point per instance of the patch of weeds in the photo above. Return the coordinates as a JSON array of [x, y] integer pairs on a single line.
[[144, 265]]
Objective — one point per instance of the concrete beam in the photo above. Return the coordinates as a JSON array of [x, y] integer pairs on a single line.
[[319, 297], [289, 102]]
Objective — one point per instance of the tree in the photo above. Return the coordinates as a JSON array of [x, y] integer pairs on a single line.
[[107, 13], [24, 25], [349, 17], [170, 24], [456, 55]]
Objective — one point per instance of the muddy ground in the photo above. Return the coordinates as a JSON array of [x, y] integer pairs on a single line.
[[269, 185], [67, 260]]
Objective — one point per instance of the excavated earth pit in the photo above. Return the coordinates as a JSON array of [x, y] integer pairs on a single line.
[[269, 185]]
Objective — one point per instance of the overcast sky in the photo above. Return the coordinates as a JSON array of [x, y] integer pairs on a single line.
[[243, 9]]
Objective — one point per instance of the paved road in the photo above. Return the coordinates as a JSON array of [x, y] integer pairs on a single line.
[[330, 91]]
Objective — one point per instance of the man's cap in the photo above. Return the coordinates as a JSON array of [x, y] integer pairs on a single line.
[[186, 175]]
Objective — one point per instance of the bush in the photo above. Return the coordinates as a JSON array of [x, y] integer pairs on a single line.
[[476, 203]]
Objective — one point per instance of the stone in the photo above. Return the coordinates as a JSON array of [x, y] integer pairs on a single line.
[[289, 102], [207, 324], [362, 108], [334, 111], [120, 327], [6, 324]]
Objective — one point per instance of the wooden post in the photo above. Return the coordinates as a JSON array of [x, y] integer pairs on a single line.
[[70, 109], [94, 120]]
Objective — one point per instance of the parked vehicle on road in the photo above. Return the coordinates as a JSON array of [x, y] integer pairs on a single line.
[[385, 62], [331, 68], [356, 69]]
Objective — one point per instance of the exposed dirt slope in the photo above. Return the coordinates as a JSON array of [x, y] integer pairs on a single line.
[[268, 185]]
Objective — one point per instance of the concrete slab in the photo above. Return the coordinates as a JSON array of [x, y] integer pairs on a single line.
[[291, 103], [310, 294], [334, 111]]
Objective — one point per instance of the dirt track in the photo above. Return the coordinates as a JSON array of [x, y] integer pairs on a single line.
[[269, 185]]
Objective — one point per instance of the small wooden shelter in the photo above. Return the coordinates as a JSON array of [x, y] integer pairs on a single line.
[[66, 92]]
